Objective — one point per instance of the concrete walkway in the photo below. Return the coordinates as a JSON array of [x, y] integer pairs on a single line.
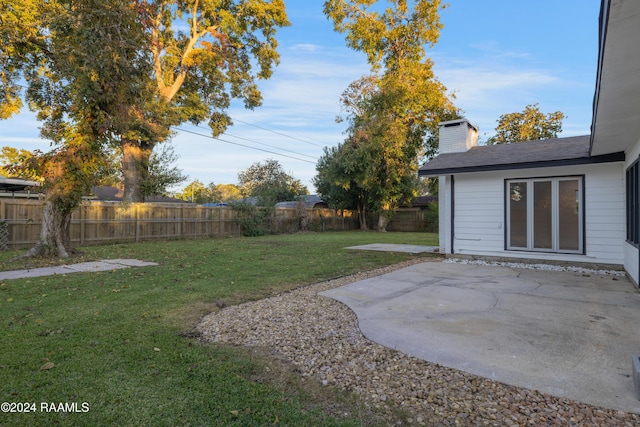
[[83, 267], [392, 247], [571, 335]]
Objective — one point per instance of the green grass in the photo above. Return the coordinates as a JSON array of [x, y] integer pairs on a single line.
[[119, 340]]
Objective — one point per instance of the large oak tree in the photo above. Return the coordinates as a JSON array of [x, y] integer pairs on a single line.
[[123, 72], [204, 54], [81, 64]]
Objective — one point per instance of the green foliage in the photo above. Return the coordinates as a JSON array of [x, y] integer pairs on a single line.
[[228, 192], [197, 192], [339, 174], [252, 220], [528, 125], [12, 161], [269, 183], [432, 216]]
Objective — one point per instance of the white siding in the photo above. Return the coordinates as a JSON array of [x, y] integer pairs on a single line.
[[605, 212], [631, 261], [444, 212], [480, 203]]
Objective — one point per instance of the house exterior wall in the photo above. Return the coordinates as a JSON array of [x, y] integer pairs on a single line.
[[479, 212], [444, 214]]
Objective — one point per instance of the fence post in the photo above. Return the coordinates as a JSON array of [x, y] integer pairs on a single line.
[[137, 206], [82, 221], [4, 235]]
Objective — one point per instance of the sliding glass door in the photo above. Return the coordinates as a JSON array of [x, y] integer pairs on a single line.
[[545, 214]]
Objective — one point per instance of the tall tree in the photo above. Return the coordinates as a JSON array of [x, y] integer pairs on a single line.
[[270, 183], [228, 192], [529, 125], [82, 65], [197, 71], [339, 172], [194, 192], [393, 120]]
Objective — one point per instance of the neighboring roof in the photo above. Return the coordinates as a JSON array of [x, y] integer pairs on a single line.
[[106, 193], [12, 185], [310, 202], [421, 201], [530, 154], [253, 201]]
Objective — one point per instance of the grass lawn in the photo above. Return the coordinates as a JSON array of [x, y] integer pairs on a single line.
[[120, 340]]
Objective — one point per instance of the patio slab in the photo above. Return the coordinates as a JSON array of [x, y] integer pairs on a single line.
[[568, 334], [389, 247], [83, 267]]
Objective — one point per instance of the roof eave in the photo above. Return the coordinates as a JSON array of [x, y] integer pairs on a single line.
[[603, 19], [605, 158]]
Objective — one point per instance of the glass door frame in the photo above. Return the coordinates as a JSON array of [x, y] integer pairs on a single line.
[[555, 214]]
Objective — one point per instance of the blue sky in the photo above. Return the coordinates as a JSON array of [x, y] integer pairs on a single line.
[[495, 56]]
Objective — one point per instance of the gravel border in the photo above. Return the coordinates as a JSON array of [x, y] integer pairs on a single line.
[[532, 266], [321, 338]]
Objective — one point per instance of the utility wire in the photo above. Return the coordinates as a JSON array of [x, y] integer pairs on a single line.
[[278, 133], [262, 143], [241, 145]]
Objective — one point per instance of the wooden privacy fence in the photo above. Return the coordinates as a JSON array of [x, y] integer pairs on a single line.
[[97, 222], [412, 219]]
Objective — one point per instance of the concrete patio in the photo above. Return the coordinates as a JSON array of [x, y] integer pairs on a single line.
[[571, 335]]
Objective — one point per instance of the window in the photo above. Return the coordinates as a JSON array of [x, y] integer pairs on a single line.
[[545, 214], [633, 189]]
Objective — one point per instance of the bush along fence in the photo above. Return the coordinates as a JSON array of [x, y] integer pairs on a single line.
[[100, 222]]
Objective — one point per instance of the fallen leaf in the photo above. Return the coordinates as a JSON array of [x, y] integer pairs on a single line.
[[9, 299], [276, 421], [47, 366], [233, 412]]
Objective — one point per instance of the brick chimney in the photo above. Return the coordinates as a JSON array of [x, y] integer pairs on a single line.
[[457, 136]]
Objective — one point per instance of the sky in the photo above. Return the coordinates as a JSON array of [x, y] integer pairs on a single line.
[[495, 57]]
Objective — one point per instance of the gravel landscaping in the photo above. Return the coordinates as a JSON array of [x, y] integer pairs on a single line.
[[321, 338]]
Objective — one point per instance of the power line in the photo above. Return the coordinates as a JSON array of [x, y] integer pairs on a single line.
[[241, 145], [278, 133], [266, 145]]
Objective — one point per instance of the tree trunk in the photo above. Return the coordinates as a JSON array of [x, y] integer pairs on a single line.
[[54, 235], [362, 216], [135, 169], [383, 220]]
